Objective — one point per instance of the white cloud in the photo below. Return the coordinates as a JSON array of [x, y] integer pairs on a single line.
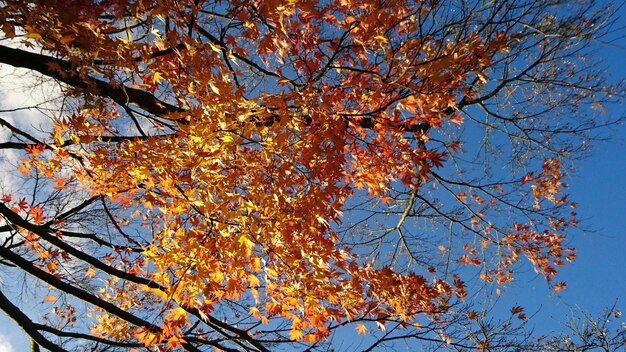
[[5, 344], [19, 89]]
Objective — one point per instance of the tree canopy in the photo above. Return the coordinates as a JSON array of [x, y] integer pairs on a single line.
[[258, 175]]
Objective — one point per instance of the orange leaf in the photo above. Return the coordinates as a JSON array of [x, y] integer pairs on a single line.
[[23, 170], [50, 299], [559, 286], [174, 342], [361, 329]]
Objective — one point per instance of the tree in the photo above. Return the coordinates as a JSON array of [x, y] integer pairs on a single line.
[[588, 333], [256, 175]]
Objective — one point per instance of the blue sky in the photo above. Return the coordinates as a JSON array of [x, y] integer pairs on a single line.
[[597, 279]]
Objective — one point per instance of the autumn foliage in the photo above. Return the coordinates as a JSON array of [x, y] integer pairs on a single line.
[[214, 147]]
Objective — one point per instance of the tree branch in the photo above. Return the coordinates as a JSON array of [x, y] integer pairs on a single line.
[[50, 66]]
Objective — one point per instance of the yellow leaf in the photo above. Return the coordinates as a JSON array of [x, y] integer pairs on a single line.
[[295, 335], [176, 314], [253, 280], [482, 78], [254, 311], [51, 266], [195, 139], [141, 173], [32, 34], [214, 88], [90, 272], [146, 337], [361, 329], [381, 38], [271, 273], [215, 48], [162, 295], [157, 77], [245, 241], [58, 139]]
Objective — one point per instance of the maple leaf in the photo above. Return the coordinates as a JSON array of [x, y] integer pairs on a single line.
[[175, 341], [361, 329], [50, 299], [36, 214], [23, 204], [559, 286], [32, 34], [23, 169], [90, 273], [457, 119], [295, 335], [516, 310], [146, 337], [176, 315]]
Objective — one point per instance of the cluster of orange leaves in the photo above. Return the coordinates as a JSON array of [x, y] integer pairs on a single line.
[[241, 198]]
